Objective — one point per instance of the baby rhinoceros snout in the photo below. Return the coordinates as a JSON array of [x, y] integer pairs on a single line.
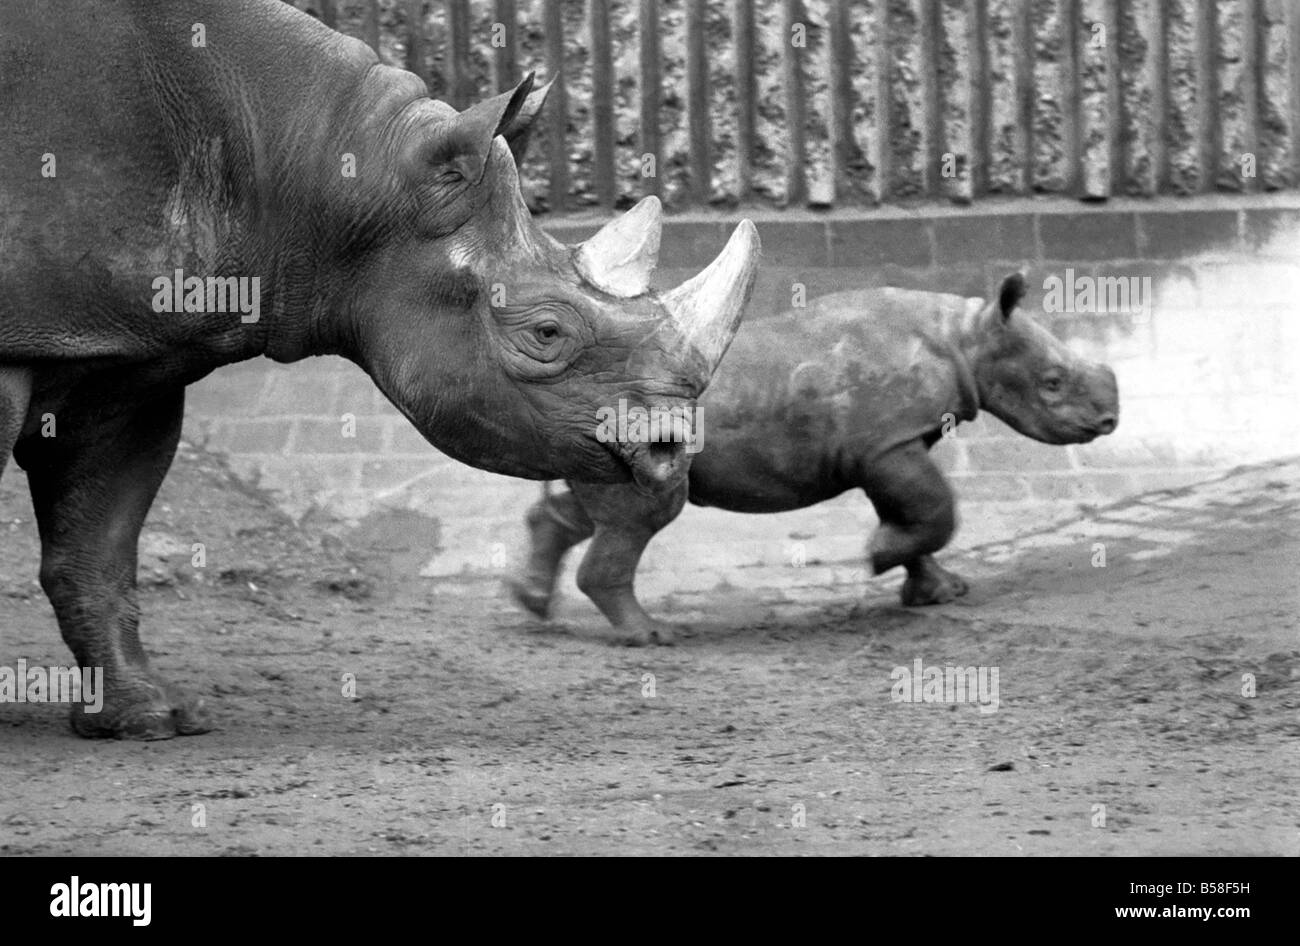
[[1105, 401]]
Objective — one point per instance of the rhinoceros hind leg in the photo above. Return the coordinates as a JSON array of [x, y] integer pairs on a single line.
[[91, 494], [555, 525], [626, 520], [928, 583]]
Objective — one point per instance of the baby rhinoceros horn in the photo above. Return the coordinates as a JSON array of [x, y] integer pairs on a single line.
[[707, 308], [621, 257]]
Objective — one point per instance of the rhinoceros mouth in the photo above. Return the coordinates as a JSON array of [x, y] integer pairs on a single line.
[[1087, 433], [654, 466]]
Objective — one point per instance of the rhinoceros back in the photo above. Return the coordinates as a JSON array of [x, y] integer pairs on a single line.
[[898, 345], [807, 394], [126, 151]]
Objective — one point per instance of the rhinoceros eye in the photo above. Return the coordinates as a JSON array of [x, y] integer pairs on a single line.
[[1052, 384], [541, 339]]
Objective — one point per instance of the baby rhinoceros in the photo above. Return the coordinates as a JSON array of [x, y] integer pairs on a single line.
[[852, 392]]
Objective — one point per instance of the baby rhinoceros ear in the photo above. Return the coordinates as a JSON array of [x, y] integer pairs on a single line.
[[1009, 296]]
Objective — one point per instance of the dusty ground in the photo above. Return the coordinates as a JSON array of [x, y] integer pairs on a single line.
[[771, 727]]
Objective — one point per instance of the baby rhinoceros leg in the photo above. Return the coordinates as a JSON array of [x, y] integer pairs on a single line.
[[917, 518], [626, 519], [928, 583]]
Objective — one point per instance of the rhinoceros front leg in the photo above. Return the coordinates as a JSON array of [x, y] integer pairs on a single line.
[[556, 523], [626, 519], [928, 583], [91, 495], [917, 518]]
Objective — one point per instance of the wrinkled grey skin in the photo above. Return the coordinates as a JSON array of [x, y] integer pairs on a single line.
[[228, 159], [891, 368]]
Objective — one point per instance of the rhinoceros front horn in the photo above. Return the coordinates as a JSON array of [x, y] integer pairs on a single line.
[[621, 257], [707, 308]]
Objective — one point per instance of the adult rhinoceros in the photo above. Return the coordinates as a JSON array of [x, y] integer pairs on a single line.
[[190, 183]]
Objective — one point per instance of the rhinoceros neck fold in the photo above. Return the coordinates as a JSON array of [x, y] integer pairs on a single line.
[[279, 128], [956, 337]]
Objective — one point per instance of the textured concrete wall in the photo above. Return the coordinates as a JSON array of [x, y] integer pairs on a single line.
[[863, 101]]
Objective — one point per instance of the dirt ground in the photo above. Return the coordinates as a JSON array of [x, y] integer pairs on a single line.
[[1121, 726]]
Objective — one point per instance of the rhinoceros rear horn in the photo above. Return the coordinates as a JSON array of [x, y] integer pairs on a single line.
[[622, 256], [1012, 291], [464, 142], [707, 308]]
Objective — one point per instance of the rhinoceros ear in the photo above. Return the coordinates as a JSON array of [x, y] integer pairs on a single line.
[[1009, 296], [464, 142], [520, 129]]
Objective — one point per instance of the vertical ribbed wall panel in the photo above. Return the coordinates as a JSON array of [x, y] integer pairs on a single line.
[[1277, 94], [745, 79], [794, 88], [859, 102], [1235, 159], [1187, 92], [675, 160], [602, 102], [625, 39], [1054, 91], [815, 61], [650, 91], [956, 64], [865, 137], [721, 102], [1096, 36], [1141, 118], [907, 133], [1008, 93]]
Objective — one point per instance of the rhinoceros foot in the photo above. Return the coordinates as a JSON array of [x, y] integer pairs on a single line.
[[534, 597], [927, 583], [643, 633], [555, 524], [147, 708]]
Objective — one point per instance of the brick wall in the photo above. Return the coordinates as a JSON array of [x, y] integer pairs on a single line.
[[1207, 381]]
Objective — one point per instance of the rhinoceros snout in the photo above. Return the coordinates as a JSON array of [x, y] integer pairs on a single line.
[[1107, 405], [656, 465]]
